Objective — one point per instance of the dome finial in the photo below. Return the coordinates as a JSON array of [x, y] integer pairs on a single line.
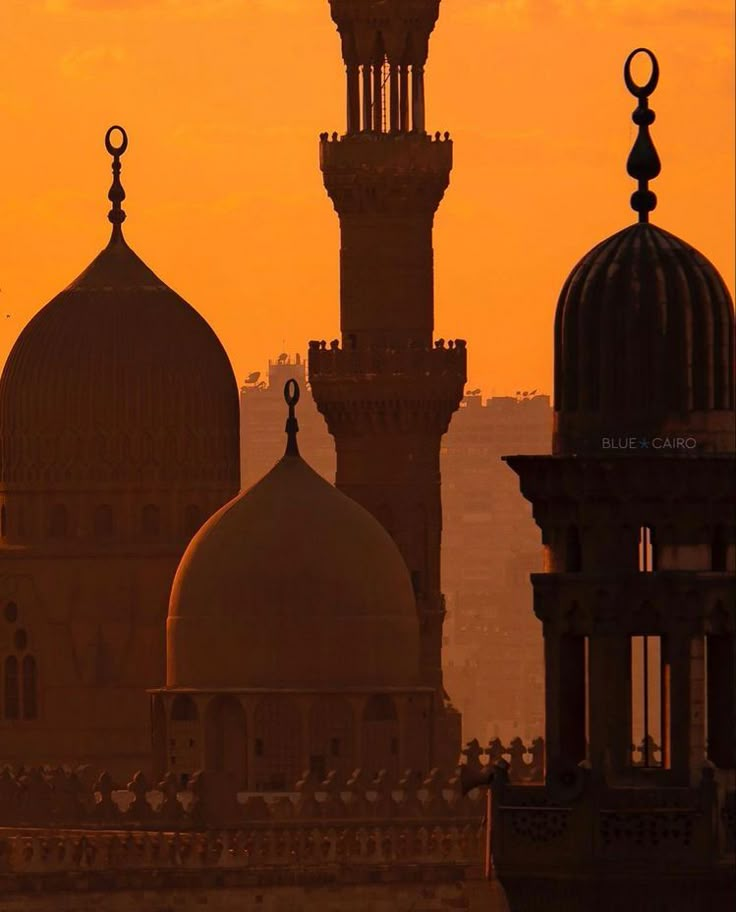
[[291, 396], [643, 163], [116, 194]]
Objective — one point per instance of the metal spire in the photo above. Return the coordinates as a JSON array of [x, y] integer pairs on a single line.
[[291, 396], [116, 194], [643, 163]]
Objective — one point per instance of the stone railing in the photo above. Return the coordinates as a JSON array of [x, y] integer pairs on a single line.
[[58, 797], [579, 817], [285, 845]]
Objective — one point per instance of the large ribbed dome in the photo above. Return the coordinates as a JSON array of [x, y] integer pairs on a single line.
[[118, 381], [292, 585], [643, 345]]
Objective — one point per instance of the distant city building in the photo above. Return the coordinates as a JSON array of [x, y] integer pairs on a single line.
[[262, 422], [490, 546]]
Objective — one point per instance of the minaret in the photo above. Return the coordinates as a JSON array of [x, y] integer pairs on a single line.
[[387, 392], [637, 600]]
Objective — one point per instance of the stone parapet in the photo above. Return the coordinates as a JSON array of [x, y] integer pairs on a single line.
[[577, 830], [408, 381], [63, 798], [636, 604]]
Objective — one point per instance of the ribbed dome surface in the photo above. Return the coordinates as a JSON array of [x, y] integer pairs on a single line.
[[118, 381], [643, 345], [292, 584]]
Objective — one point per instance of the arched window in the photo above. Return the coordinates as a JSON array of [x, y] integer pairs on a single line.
[[184, 737], [281, 761], [331, 735], [226, 739], [30, 688], [103, 521], [11, 691], [58, 522], [150, 520]]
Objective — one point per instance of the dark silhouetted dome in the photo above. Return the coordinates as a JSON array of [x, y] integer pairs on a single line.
[[643, 345], [117, 401], [118, 381], [644, 330], [292, 585]]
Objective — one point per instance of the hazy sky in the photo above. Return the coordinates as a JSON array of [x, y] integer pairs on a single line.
[[224, 100]]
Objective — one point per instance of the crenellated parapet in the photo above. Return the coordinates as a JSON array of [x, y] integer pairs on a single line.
[[63, 798], [386, 173], [403, 390]]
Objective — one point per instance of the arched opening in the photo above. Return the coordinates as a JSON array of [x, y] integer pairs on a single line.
[[103, 521], [380, 736], [30, 688], [11, 692], [331, 736], [11, 612], [58, 521], [150, 521], [3, 521], [226, 739], [278, 756], [184, 738]]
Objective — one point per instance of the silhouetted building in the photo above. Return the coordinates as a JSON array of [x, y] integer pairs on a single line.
[[489, 549], [118, 437], [638, 600], [388, 392], [290, 653]]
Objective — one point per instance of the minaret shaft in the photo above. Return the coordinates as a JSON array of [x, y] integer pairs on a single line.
[[388, 392]]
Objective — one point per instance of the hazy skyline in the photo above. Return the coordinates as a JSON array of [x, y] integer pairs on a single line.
[[224, 100]]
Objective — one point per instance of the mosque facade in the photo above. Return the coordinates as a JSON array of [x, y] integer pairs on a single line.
[[118, 438]]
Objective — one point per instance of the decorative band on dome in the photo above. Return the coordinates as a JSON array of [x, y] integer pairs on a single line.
[[116, 194], [643, 163]]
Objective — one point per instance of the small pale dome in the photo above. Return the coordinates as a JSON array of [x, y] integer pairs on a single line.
[[292, 585]]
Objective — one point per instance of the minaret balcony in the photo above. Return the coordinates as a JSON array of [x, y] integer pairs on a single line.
[[390, 152]]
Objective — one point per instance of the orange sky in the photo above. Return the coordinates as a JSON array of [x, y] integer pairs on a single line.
[[223, 101]]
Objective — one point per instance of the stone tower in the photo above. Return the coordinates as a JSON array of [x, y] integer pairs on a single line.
[[387, 392], [638, 598]]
